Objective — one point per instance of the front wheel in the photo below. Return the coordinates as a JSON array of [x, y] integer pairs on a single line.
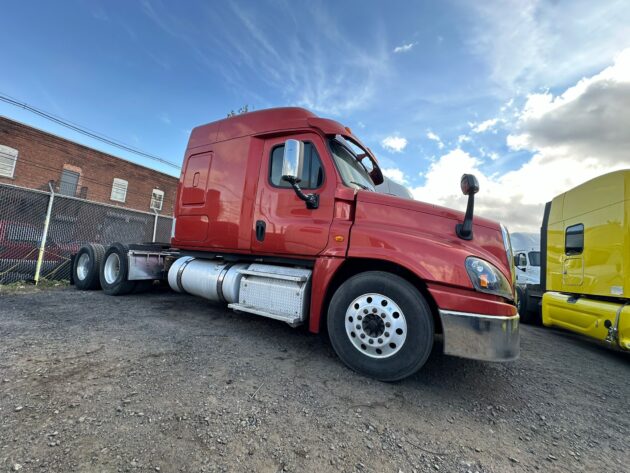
[[380, 326]]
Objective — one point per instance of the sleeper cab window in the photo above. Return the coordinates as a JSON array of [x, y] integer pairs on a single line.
[[312, 173], [574, 240], [119, 190], [157, 199]]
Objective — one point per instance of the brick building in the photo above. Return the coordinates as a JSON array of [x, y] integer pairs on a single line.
[[33, 158]]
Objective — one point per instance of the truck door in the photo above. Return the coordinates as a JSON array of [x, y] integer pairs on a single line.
[[282, 224], [573, 261]]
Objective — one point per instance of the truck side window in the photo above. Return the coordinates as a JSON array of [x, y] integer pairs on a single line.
[[312, 173], [574, 239]]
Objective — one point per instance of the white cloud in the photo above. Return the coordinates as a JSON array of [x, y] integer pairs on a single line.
[[575, 136], [404, 48], [534, 43], [434, 137], [394, 143], [484, 126], [588, 120], [463, 138], [395, 175]]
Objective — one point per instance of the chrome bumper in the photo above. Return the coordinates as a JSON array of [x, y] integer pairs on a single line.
[[480, 337]]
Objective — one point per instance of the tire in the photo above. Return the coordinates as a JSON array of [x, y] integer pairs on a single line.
[[114, 271], [401, 343], [86, 267], [528, 311], [521, 304]]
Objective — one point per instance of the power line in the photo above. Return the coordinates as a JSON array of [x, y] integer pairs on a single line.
[[85, 131]]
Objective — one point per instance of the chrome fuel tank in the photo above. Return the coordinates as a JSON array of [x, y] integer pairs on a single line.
[[214, 280]]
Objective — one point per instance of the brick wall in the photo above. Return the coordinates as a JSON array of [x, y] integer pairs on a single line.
[[42, 158]]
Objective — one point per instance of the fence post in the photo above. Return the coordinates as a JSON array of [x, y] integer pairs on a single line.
[[155, 222], [42, 247]]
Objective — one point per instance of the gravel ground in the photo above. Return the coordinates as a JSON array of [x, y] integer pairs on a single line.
[[165, 382]]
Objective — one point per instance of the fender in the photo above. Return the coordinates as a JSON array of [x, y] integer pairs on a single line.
[[420, 238]]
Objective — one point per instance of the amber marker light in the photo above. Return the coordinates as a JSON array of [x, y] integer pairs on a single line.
[[339, 238], [483, 280]]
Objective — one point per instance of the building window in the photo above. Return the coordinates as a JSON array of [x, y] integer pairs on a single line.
[[8, 158], [157, 199], [119, 190], [574, 240], [68, 183]]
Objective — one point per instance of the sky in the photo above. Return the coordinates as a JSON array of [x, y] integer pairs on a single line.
[[531, 96]]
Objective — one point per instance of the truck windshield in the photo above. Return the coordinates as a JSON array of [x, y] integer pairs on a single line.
[[352, 171], [534, 258]]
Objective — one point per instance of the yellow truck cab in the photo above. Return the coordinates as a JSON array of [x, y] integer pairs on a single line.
[[586, 268]]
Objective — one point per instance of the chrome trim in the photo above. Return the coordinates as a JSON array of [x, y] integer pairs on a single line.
[[220, 279], [83, 266], [480, 336], [180, 271]]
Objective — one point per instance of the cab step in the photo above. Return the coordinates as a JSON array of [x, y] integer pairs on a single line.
[[278, 292]]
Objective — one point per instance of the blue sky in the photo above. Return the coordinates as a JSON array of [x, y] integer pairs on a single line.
[[424, 84]]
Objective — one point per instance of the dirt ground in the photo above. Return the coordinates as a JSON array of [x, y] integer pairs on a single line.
[[166, 382]]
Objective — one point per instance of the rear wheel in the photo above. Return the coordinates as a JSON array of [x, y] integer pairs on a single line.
[[114, 271], [380, 326], [87, 262]]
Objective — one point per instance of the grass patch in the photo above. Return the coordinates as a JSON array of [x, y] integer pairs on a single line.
[[28, 287]]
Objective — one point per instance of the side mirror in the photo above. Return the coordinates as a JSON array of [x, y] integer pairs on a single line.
[[292, 165], [520, 260], [373, 170], [292, 160]]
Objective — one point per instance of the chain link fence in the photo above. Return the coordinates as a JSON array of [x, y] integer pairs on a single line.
[[72, 222]]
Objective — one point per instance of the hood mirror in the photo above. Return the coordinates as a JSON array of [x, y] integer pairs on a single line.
[[469, 186]]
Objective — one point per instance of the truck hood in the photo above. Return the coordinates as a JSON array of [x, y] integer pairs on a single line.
[[411, 230], [417, 206]]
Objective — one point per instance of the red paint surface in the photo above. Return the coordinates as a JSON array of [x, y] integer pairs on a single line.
[[323, 273]]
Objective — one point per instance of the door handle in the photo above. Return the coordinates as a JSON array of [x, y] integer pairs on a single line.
[[260, 230]]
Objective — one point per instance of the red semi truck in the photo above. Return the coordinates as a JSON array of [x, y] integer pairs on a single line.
[[277, 215]]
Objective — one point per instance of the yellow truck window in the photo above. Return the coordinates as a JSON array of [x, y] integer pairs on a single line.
[[574, 239]]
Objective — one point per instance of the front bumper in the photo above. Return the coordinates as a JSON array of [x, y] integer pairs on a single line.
[[481, 337]]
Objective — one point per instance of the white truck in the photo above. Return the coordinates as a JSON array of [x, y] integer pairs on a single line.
[[526, 248]]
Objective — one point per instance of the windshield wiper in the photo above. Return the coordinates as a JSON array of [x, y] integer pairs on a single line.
[[362, 186]]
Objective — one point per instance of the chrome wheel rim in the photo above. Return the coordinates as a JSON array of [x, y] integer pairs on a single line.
[[83, 266], [376, 325], [112, 268]]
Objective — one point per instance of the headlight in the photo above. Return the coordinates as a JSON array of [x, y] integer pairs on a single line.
[[487, 278]]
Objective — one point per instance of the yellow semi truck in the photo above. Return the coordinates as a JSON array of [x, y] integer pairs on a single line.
[[585, 238]]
